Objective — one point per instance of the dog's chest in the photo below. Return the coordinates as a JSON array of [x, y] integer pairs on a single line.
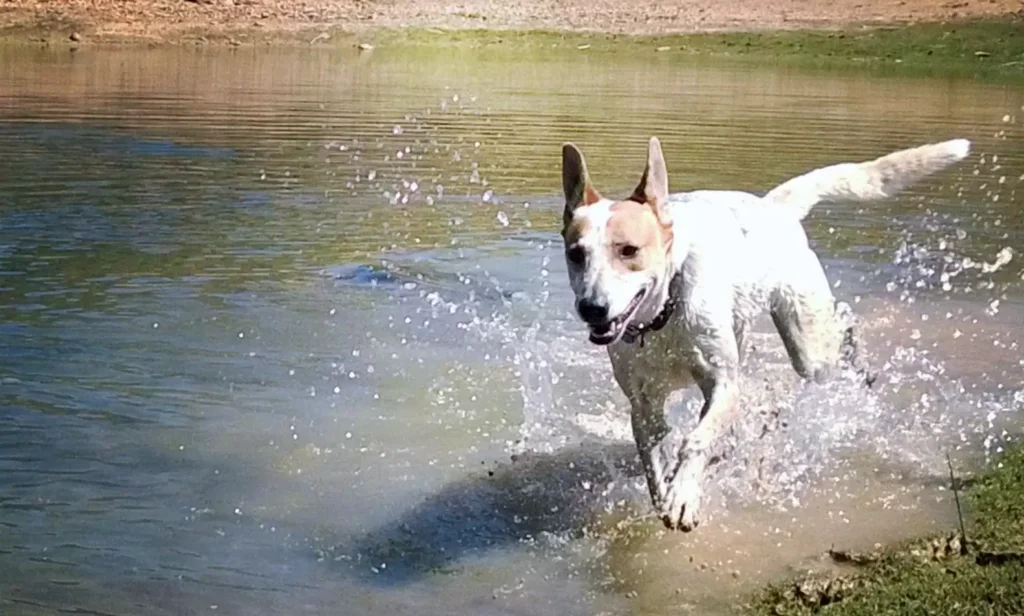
[[666, 358]]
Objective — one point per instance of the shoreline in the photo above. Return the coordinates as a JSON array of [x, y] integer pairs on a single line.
[[344, 22], [972, 569], [985, 49], [975, 39]]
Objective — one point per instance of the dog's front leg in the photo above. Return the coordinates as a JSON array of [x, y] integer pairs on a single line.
[[657, 444], [681, 507]]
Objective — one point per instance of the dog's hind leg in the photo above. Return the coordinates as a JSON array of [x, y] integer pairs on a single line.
[[819, 333], [804, 312], [851, 355]]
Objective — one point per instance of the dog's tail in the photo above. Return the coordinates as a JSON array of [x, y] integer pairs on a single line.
[[866, 181]]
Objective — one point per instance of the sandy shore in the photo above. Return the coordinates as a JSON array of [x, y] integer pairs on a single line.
[[254, 21]]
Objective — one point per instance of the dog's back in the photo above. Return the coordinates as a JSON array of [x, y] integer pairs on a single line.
[[765, 236], [743, 233]]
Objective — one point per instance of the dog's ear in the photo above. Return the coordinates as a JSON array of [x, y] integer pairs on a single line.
[[653, 186], [575, 182]]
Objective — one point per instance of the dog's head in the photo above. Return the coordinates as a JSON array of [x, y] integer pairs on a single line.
[[618, 253]]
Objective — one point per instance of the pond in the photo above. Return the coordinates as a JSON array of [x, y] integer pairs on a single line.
[[276, 322]]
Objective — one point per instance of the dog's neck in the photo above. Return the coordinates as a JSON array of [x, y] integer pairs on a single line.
[[635, 332]]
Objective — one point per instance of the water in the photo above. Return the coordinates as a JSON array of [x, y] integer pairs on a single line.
[[275, 322]]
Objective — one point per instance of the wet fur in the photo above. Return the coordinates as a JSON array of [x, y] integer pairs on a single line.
[[737, 256]]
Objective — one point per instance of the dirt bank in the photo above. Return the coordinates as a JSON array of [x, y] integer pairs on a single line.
[[243, 21]]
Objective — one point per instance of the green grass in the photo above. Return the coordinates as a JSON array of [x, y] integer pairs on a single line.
[[998, 503], [930, 576], [991, 49], [976, 48]]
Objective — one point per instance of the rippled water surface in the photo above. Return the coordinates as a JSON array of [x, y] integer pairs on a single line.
[[275, 323]]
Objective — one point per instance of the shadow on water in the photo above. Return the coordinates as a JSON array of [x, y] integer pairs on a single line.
[[394, 276], [112, 143], [533, 497]]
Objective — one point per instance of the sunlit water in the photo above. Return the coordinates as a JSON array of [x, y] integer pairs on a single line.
[[275, 323]]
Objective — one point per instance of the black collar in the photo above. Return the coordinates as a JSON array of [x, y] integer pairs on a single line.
[[636, 332]]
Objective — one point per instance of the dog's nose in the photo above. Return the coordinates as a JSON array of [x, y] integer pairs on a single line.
[[592, 312]]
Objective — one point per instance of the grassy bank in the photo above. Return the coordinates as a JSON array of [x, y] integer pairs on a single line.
[[977, 48], [990, 49], [935, 575]]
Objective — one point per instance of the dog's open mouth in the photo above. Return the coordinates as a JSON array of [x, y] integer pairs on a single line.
[[611, 331]]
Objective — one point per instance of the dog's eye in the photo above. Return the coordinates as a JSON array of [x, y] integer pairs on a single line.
[[577, 255], [628, 251]]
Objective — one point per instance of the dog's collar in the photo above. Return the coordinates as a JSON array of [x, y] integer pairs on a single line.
[[639, 331]]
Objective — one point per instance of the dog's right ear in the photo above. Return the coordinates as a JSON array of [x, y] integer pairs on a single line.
[[575, 182]]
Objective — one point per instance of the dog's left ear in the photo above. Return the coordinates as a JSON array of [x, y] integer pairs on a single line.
[[653, 187]]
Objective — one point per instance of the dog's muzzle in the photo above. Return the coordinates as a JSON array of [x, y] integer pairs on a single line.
[[605, 331]]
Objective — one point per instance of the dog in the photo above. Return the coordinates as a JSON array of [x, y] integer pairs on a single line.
[[670, 284]]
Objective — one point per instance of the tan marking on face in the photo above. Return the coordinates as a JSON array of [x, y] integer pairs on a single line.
[[636, 225]]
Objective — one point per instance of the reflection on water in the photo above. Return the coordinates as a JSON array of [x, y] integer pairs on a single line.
[[274, 321]]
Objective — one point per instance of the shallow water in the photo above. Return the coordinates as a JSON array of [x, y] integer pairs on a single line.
[[275, 321]]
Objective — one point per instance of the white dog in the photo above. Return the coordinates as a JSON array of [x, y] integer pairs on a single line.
[[671, 283]]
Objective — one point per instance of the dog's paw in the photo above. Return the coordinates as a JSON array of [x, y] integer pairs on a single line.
[[681, 507], [675, 468]]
